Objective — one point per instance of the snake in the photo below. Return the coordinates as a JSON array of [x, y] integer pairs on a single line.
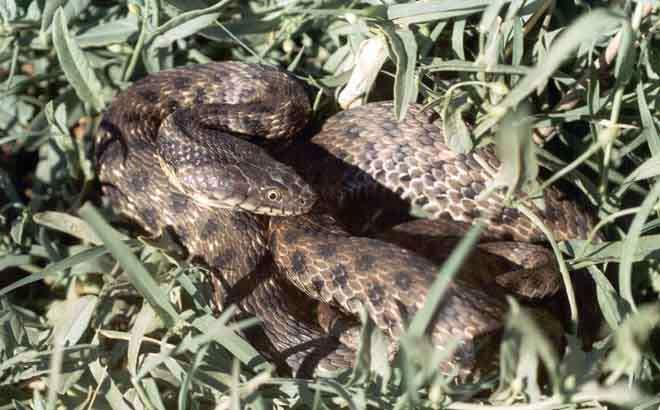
[[307, 229]]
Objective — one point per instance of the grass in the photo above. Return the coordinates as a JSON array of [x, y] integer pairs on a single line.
[[583, 78]]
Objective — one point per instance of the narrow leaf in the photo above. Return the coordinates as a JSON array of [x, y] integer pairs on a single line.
[[403, 50], [631, 243], [202, 18], [114, 32], [516, 151], [68, 224], [448, 270], [183, 30], [584, 30], [75, 65], [650, 130], [136, 273]]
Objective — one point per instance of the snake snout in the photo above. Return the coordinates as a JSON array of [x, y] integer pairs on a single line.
[[281, 192], [278, 195]]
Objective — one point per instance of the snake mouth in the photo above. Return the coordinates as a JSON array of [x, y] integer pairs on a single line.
[[276, 212], [271, 211], [241, 205], [243, 202]]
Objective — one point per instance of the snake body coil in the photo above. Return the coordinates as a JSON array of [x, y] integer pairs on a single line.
[[176, 149]]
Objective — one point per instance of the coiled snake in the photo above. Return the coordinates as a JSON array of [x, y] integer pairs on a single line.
[[179, 149]]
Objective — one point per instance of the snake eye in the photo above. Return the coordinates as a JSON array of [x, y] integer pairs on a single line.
[[274, 195]]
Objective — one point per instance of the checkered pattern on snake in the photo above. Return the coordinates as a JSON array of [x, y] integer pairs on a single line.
[[180, 149]]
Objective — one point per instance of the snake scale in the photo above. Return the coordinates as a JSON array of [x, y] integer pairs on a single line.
[[304, 233]]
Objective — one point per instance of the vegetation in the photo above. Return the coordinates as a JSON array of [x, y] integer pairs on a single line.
[[580, 77]]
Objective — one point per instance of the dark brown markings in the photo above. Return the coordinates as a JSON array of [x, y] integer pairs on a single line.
[[421, 201], [388, 125], [354, 131], [182, 118], [263, 108], [181, 82], [376, 294], [251, 124], [395, 133], [510, 214], [298, 263], [327, 250], [210, 229], [224, 259], [149, 95], [339, 275], [242, 223], [149, 217], [172, 105], [468, 193], [179, 203], [365, 262], [478, 186], [200, 95], [112, 145], [553, 213], [108, 128], [318, 285], [402, 280], [444, 215], [139, 181]]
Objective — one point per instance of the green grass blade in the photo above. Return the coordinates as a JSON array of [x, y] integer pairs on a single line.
[[420, 12], [650, 129], [630, 245], [55, 268], [584, 30], [185, 24], [68, 224], [420, 322], [403, 50], [114, 32], [75, 65], [137, 274]]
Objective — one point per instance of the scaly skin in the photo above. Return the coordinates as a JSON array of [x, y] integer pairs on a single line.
[[172, 151], [412, 159]]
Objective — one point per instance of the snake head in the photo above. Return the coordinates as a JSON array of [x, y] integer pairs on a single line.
[[277, 190], [219, 170], [276, 198], [249, 188], [260, 185]]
